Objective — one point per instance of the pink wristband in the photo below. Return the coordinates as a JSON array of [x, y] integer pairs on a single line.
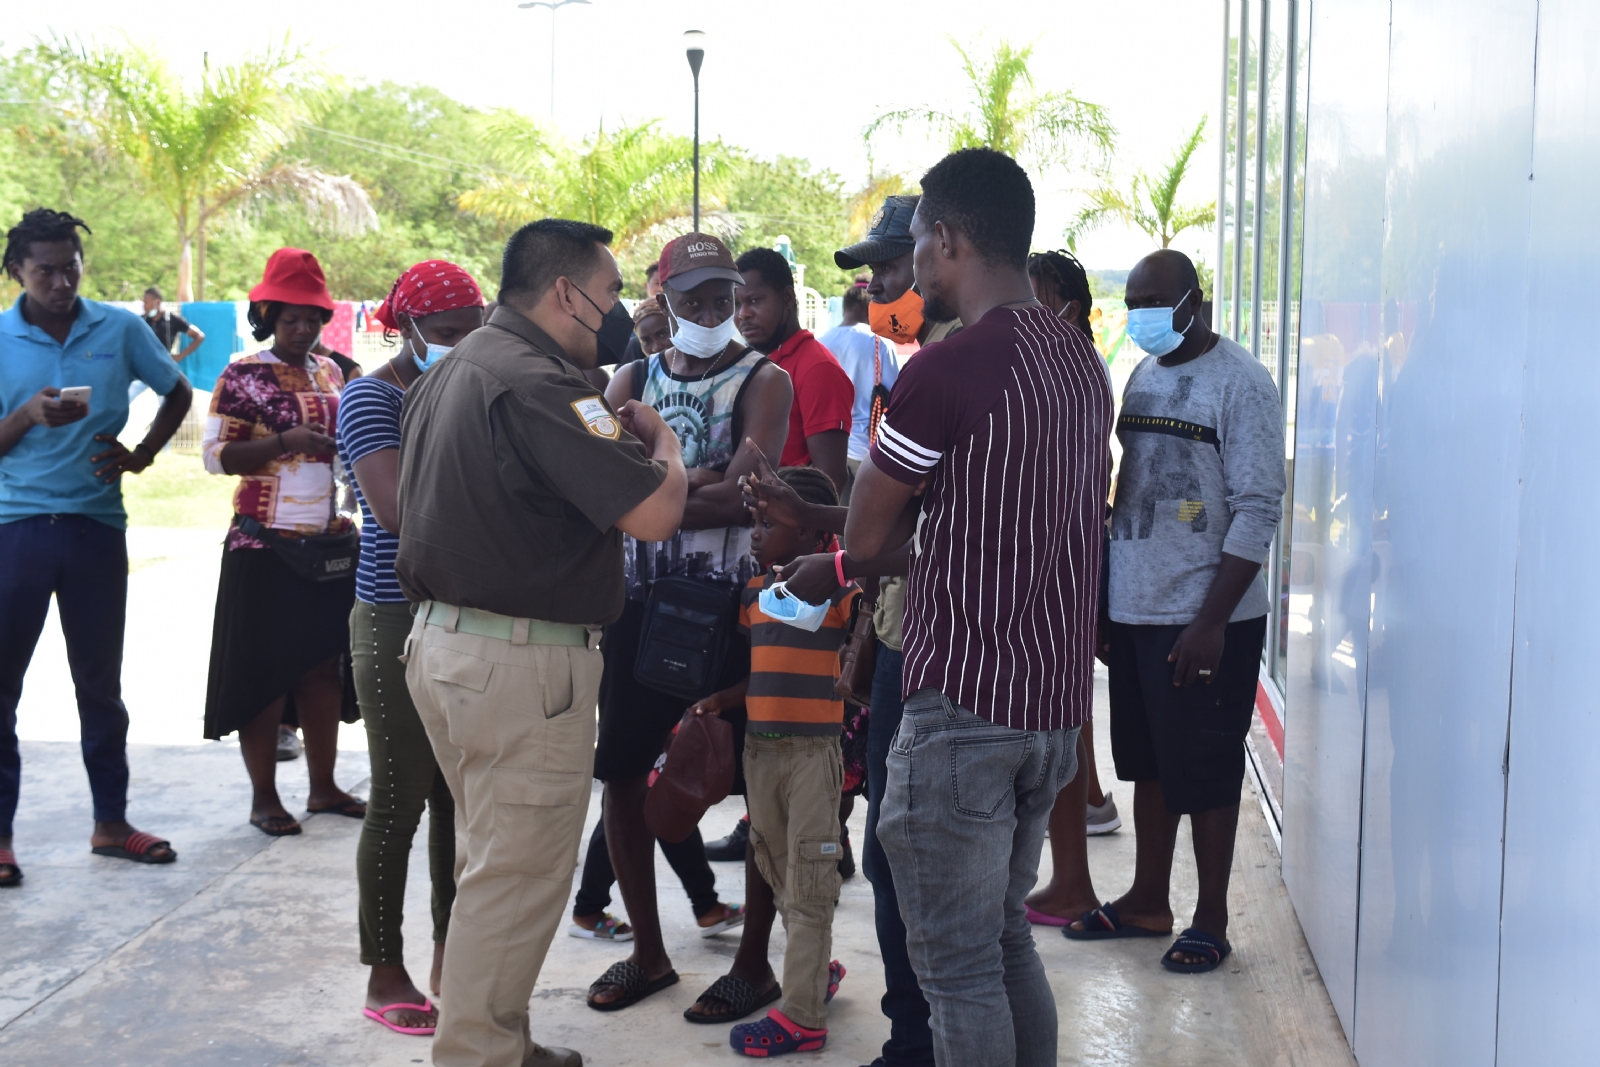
[[838, 568]]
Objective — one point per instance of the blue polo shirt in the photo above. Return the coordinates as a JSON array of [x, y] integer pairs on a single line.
[[48, 472]]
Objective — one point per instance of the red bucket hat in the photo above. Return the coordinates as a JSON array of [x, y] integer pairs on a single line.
[[293, 276]]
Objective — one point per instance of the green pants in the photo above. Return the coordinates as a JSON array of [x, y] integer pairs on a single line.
[[405, 779]]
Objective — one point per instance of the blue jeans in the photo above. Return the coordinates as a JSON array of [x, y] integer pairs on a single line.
[[910, 1041], [84, 564], [962, 824]]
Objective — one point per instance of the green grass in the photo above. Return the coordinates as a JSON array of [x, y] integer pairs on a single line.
[[177, 491]]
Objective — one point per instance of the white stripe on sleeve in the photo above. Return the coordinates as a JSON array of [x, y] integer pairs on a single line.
[[904, 450]]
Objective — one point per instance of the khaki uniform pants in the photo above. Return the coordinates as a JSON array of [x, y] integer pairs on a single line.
[[513, 729], [793, 786]]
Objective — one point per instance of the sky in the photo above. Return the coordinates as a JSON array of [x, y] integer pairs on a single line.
[[799, 79]]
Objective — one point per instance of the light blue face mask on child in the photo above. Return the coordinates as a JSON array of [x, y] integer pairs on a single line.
[[1151, 328], [778, 603]]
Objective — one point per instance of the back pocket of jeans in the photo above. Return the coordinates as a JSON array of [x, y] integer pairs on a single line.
[[983, 771]]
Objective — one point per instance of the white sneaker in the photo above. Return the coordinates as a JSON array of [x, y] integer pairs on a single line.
[[1104, 819], [288, 744]]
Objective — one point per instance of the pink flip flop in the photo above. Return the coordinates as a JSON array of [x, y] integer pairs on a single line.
[[417, 1031], [1039, 918]]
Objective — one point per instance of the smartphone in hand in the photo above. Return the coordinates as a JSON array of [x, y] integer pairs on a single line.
[[76, 394]]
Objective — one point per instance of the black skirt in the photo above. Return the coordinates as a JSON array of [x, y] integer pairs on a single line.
[[271, 627]]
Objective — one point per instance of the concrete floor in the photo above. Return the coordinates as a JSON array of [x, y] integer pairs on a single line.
[[244, 952]]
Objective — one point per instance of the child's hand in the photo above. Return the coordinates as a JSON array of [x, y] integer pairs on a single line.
[[709, 706], [766, 496]]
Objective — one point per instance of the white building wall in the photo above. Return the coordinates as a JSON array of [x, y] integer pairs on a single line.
[[1442, 732], [1549, 984]]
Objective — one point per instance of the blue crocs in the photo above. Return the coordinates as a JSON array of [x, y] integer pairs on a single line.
[[775, 1035]]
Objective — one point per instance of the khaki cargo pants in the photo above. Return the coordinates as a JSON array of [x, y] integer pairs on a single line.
[[792, 785], [512, 727]]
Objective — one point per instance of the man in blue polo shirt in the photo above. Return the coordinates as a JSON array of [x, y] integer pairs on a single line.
[[62, 525]]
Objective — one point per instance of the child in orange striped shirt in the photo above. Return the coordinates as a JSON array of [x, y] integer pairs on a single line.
[[793, 775]]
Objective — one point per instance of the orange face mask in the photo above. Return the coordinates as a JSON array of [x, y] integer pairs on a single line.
[[900, 321]]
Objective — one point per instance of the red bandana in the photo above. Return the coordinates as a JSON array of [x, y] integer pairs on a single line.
[[428, 288]]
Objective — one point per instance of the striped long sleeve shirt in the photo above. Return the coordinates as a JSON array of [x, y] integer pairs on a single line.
[[1010, 422]]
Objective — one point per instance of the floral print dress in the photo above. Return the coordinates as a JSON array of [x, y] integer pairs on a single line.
[[261, 396]]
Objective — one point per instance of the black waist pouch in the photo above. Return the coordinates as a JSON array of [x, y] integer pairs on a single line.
[[319, 558], [688, 625]]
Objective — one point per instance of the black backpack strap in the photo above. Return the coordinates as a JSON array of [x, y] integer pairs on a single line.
[[641, 368], [738, 402]]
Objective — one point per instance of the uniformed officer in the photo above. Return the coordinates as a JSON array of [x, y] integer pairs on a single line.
[[517, 482]]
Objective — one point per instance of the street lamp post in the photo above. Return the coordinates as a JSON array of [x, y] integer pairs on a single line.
[[552, 5], [695, 48]]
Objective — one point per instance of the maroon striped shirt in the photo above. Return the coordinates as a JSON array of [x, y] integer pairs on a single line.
[[1010, 420]]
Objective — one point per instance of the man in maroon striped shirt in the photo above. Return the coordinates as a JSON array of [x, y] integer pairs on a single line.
[[994, 459]]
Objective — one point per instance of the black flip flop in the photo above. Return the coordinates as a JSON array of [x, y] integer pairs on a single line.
[[277, 825], [350, 809], [1104, 924], [1196, 942], [634, 983], [740, 996]]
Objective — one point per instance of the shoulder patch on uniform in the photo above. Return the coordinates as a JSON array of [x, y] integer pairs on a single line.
[[597, 417]]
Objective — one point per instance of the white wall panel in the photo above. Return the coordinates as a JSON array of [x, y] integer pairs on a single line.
[[1460, 127], [1336, 418], [1549, 981]]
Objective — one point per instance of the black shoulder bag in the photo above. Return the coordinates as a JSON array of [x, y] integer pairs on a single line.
[[318, 558], [684, 639]]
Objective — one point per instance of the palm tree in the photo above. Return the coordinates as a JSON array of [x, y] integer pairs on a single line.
[[1010, 116], [1149, 204], [204, 154], [634, 180], [870, 197]]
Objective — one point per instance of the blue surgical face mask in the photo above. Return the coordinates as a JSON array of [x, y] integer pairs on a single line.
[[434, 353], [1151, 328], [778, 603]]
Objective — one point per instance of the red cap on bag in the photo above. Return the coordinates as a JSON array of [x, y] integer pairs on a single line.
[[293, 276]]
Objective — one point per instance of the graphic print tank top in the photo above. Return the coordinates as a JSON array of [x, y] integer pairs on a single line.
[[705, 415]]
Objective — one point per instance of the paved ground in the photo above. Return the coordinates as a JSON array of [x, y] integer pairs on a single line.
[[244, 952]]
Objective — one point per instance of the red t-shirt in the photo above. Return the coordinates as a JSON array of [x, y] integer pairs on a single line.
[[823, 394]]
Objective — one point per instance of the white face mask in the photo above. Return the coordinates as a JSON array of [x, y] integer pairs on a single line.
[[702, 342]]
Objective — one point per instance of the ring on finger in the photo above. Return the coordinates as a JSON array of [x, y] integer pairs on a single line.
[[1203, 673]]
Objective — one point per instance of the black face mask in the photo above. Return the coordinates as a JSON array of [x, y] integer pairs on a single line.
[[616, 328]]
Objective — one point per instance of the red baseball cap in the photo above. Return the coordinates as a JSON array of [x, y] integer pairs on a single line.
[[694, 258], [293, 276]]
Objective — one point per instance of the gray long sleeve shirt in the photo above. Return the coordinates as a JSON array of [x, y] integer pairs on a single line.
[[1202, 473]]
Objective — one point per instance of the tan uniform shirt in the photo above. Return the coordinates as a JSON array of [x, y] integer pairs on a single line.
[[513, 473]]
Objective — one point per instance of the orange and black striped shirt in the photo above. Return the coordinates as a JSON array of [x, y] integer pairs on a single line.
[[792, 671]]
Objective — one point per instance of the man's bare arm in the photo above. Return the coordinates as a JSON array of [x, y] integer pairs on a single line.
[[883, 512]]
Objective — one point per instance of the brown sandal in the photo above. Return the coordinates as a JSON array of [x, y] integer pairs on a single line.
[[10, 873]]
